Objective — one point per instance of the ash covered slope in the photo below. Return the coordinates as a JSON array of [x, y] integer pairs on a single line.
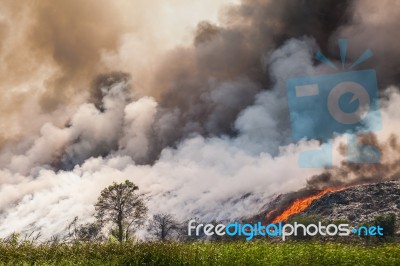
[[359, 203]]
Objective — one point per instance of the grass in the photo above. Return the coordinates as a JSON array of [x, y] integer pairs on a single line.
[[233, 253]]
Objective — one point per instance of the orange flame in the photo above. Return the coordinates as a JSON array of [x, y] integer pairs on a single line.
[[300, 205]]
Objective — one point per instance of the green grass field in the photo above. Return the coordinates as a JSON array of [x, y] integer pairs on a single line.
[[235, 253]]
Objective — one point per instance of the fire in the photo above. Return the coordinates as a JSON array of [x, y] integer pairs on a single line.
[[300, 205]]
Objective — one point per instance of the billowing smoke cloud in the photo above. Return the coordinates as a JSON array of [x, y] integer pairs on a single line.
[[385, 142], [202, 129], [211, 178], [375, 25], [50, 52], [206, 86], [68, 43]]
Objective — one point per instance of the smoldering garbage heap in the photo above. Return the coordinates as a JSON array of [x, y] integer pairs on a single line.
[[356, 204], [205, 133], [360, 203]]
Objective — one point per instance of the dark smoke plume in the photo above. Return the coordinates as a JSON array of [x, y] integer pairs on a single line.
[[205, 87], [203, 128], [349, 174]]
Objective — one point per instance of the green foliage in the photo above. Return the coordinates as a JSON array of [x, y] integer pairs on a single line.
[[305, 220], [120, 207], [162, 226], [388, 223], [164, 253], [89, 232]]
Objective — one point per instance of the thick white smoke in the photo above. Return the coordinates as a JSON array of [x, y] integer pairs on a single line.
[[210, 178], [218, 141]]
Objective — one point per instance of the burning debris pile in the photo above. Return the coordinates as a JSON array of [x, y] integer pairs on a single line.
[[351, 191], [358, 203], [355, 204], [300, 205], [202, 127]]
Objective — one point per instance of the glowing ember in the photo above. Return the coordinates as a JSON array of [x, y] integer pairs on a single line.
[[300, 205]]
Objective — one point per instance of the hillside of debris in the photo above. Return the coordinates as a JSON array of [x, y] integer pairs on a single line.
[[358, 204]]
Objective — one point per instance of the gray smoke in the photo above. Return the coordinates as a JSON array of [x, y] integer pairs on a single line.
[[211, 178], [205, 87], [204, 132]]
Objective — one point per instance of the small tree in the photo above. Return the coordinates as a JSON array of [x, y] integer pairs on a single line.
[[119, 205], [304, 220], [162, 225], [89, 232], [83, 232], [388, 223], [183, 233]]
